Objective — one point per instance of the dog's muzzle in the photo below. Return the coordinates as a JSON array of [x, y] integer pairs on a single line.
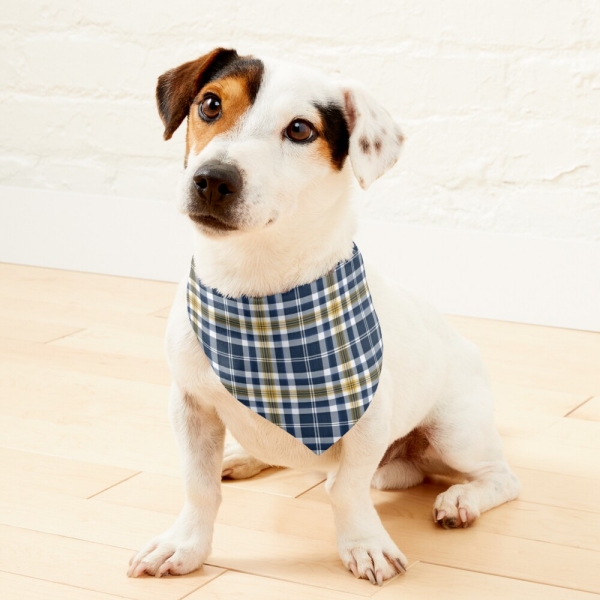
[[216, 187]]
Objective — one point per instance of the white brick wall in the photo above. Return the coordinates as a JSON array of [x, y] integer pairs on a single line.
[[500, 99]]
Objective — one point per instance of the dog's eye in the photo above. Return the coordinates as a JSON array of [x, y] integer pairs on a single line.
[[299, 130], [210, 108]]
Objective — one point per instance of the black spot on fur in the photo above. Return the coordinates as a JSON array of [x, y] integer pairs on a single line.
[[335, 132], [365, 145], [377, 146]]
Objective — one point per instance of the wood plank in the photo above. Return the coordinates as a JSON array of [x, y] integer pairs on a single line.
[[121, 341], [72, 288], [77, 316], [551, 456], [79, 361], [30, 330], [535, 356], [18, 587], [590, 411], [96, 418], [250, 587], [87, 565], [573, 432], [498, 335], [282, 482], [79, 398], [563, 526], [555, 489], [521, 411], [49, 473], [425, 581], [122, 443]]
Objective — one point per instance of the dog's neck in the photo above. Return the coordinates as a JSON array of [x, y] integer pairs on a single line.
[[297, 250]]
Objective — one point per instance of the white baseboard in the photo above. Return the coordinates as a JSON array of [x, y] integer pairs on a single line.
[[531, 280]]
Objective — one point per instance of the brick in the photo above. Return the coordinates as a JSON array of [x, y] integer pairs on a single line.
[[567, 86]]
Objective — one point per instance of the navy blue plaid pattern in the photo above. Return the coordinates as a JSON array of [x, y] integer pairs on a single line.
[[307, 360]]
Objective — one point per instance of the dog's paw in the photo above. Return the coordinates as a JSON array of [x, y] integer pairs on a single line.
[[456, 507], [372, 559], [171, 553], [238, 464]]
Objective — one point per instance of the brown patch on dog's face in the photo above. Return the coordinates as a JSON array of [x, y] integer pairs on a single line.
[[221, 72], [235, 101]]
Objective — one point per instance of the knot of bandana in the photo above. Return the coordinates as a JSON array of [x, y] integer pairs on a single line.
[[307, 360]]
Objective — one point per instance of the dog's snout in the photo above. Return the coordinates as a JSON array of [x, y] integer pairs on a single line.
[[215, 182]]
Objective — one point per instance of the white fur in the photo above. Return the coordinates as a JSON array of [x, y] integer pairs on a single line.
[[295, 224]]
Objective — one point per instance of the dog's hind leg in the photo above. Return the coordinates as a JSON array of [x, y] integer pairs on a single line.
[[468, 442], [238, 464], [400, 466]]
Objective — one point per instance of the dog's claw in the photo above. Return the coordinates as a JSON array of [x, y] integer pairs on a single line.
[[379, 577], [371, 576], [399, 566], [439, 515], [354, 569]]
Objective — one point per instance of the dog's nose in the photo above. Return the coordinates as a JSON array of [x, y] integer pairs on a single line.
[[216, 181]]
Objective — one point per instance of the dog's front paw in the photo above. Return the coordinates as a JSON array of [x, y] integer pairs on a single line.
[[372, 559], [172, 553], [238, 464]]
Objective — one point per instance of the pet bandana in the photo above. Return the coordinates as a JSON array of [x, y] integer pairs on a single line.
[[307, 360]]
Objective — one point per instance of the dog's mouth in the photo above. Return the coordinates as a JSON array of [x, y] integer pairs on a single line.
[[211, 222]]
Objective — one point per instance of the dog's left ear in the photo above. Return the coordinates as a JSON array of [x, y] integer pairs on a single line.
[[177, 88], [375, 138]]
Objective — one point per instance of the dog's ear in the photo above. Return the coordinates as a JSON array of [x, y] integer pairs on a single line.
[[375, 138], [177, 88]]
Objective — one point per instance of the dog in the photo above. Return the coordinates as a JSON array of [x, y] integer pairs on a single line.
[[271, 150]]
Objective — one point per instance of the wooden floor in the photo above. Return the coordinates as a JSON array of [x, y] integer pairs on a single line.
[[89, 470]]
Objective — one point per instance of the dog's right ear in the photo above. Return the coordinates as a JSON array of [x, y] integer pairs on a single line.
[[177, 88]]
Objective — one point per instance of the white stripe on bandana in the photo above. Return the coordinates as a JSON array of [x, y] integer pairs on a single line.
[[307, 360]]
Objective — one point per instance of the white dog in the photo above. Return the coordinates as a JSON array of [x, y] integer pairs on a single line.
[[266, 187]]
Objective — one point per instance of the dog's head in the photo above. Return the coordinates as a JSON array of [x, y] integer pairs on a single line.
[[265, 138]]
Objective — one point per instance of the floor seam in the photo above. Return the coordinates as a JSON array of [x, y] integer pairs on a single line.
[[544, 583], [113, 485], [62, 337], [77, 587], [207, 583], [578, 406]]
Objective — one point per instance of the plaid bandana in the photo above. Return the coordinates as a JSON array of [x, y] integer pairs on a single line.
[[307, 360]]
